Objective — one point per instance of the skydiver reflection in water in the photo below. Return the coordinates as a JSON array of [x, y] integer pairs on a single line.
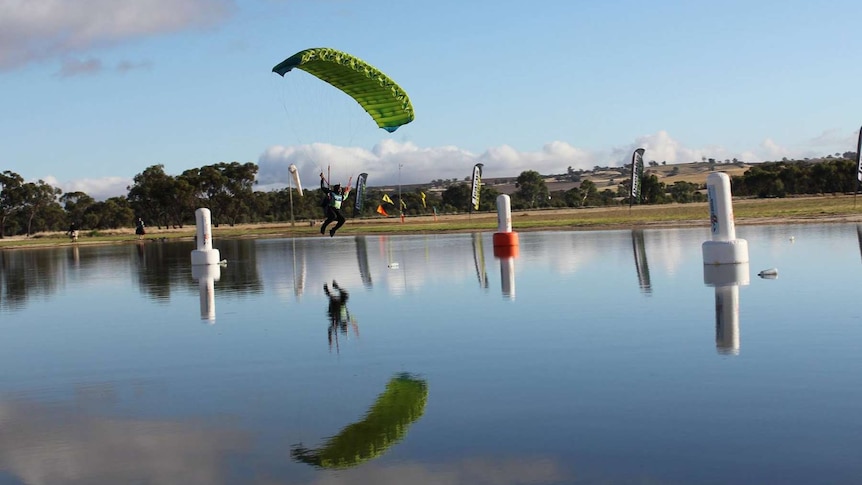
[[339, 316]]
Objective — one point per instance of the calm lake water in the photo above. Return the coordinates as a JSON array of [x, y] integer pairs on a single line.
[[592, 357]]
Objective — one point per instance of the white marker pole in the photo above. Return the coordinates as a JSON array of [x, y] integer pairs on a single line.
[[204, 254], [724, 248]]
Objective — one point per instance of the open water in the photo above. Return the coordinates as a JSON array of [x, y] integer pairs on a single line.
[[591, 357]]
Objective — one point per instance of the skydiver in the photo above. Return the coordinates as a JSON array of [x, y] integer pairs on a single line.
[[334, 198]]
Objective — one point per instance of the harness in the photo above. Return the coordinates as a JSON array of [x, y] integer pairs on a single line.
[[335, 200]]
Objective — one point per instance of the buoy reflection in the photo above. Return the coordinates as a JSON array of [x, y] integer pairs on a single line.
[[207, 275], [726, 279]]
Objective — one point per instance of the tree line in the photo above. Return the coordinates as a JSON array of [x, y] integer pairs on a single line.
[[227, 189]]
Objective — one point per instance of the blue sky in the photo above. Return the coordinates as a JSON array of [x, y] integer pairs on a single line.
[[95, 91]]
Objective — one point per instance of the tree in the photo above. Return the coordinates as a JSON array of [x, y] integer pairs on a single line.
[[37, 196], [151, 195], [11, 197], [532, 190], [76, 204], [683, 192], [457, 197], [110, 214], [488, 198], [589, 193], [226, 187], [652, 191]]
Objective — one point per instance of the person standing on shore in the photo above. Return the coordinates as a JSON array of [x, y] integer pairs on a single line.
[[335, 196], [139, 228]]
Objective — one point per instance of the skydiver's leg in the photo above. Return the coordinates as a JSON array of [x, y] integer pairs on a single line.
[[330, 216], [340, 218]]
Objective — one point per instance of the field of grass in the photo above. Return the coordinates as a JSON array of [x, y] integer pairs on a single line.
[[841, 208]]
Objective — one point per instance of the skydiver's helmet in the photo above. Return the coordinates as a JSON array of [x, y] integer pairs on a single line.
[[337, 188]]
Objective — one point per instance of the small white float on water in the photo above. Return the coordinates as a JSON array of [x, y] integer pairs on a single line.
[[770, 273]]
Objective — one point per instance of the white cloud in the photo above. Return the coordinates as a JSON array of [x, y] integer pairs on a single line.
[[554, 157], [772, 150], [418, 165], [662, 147], [835, 137], [99, 188], [44, 29]]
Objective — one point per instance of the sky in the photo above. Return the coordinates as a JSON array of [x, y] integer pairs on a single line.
[[93, 92]]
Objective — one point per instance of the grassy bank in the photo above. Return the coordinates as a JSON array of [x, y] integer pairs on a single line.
[[747, 211]]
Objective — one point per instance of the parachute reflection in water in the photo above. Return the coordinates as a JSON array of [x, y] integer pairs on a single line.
[[385, 424], [379, 95]]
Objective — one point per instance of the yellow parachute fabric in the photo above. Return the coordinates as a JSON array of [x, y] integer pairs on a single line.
[[379, 95]]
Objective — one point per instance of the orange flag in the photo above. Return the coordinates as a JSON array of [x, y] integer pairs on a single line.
[[381, 211]]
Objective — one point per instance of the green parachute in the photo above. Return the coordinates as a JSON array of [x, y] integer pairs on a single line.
[[379, 95], [400, 405]]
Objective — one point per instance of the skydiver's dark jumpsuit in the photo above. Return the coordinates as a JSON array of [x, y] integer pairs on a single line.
[[335, 197]]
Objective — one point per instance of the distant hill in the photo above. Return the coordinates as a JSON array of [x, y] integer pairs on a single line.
[[611, 177]]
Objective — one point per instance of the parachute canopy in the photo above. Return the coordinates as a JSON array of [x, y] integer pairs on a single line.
[[381, 98]]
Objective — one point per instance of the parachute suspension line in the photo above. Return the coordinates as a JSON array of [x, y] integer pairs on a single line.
[[295, 136]]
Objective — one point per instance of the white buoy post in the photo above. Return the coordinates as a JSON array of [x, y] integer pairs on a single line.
[[724, 248], [205, 263], [504, 237], [204, 254], [725, 263], [506, 246]]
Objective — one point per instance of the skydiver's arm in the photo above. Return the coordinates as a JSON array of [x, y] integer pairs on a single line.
[[323, 186]]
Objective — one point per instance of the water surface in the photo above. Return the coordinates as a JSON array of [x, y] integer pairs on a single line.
[[592, 357]]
